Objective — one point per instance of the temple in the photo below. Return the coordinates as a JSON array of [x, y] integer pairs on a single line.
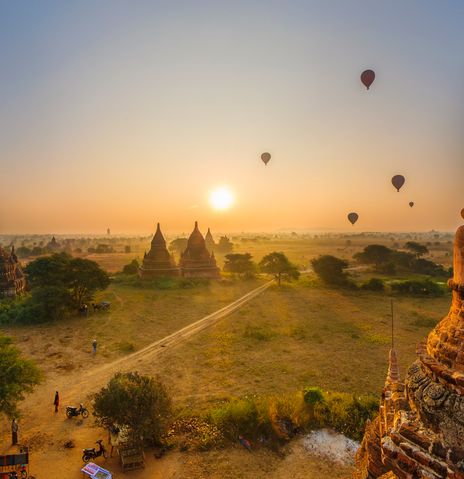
[[12, 279], [53, 245], [196, 261], [419, 432], [158, 262], [209, 241]]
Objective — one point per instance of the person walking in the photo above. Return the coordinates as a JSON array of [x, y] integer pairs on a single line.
[[14, 432], [56, 401], [94, 346]]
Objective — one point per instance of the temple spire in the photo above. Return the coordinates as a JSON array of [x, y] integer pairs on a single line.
[[393, 375]]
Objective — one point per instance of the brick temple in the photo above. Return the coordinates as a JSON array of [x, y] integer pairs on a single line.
[[158, 262], [195, 262], [12, 279], [419, 432]]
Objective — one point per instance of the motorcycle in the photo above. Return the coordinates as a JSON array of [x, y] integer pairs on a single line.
[[72, 411], [92, 453]]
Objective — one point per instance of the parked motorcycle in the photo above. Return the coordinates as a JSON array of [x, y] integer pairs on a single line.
[[92, 453], [72, 411]]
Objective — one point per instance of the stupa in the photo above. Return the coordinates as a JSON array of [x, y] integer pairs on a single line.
[[209, 241], [12, 279], [419, 433], [158, 262], [196, 261]]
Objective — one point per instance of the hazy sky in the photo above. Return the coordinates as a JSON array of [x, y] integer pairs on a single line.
[[124, 113]]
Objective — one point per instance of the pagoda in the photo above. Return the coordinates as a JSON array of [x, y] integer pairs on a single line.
[[12, 279], [196, 261], [158, 262], [209, 241], [419, 432], [53, 245]]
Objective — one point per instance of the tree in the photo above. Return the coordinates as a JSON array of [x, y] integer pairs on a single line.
[[131, 268], [279, 265], [374, 254], [330, 269], [82, 278], [224, 245], [179, 245], [18, 376], [241, 264], [416, 248], [140, 403], [49, 270], [85, 279]]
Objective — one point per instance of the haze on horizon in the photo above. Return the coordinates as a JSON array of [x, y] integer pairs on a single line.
[[121, 114]]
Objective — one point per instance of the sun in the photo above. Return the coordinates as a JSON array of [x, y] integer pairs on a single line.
[[221, 198]]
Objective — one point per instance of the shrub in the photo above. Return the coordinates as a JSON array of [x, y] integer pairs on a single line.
[[424, 287], [131, 268], [346, 414], [140, 403], [374, 284]]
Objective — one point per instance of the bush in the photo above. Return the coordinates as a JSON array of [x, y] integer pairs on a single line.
[[374, 284], [279, 418], [346, 414], [417, 288], [140, 403], [131, 268]]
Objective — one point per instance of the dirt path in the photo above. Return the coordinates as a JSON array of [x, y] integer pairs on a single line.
[[46, 432]]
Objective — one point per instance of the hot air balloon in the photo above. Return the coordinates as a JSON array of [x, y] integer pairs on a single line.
[[353, 217], [462, 213], [367, 78], [398, 181], [266, 157], [411, 204]]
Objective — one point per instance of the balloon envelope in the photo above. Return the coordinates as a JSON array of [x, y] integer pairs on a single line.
[[353, 217], [367, 78], [411, 204], [398, 181], [266, 157]]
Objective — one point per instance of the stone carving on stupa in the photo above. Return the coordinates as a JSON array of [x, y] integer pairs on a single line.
[[12, 278], [196, 261], [419, 432], [158, 262]]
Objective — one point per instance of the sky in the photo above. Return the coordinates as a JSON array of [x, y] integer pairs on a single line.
[[121, 114]]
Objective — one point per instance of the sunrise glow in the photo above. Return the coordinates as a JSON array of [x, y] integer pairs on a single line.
[[221, 198]]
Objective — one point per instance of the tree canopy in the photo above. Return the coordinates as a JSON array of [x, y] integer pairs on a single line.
[[330, 269], [240, 263], [416, 248], [82, 278], [279, 265], [18, 376], [140, 403], [374, 254]]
